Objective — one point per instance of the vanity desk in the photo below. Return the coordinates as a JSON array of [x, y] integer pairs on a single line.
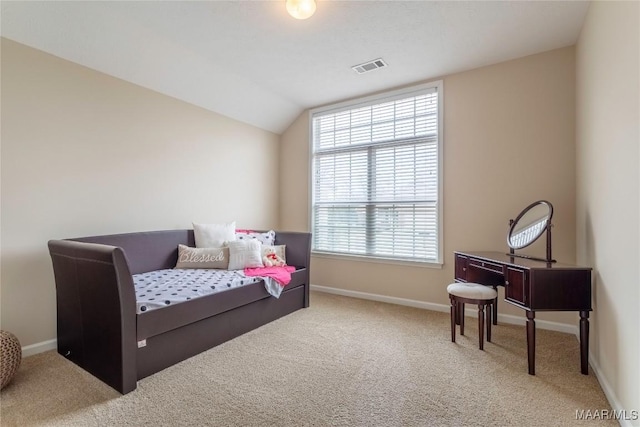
[[533, 285]]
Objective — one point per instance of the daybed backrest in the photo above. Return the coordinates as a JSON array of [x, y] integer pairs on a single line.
[[147, 251], [157, 250]]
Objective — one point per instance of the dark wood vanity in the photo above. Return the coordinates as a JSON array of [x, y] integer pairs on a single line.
[[533, 285]]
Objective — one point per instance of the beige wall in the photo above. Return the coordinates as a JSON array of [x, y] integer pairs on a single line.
[[608, 187], [84, 153], [508, 141]]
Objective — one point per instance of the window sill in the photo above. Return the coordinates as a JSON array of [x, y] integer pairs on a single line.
[[375, 260]]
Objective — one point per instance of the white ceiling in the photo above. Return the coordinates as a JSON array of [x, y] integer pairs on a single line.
[[251, 61]]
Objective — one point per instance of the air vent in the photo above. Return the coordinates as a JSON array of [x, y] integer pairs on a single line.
[[369, 66]]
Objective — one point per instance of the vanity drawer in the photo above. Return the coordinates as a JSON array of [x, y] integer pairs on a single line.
[[516, 286], [485, 265], [461, 268]]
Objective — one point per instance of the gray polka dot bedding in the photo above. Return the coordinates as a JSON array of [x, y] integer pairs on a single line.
[[161, 288]]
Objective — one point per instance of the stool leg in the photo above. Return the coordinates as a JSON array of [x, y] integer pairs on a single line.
[[495, 307], [453, 318], [490, 309], [461, 316], [481, 326]]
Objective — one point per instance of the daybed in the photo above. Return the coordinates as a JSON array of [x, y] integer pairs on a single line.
[[99, 330]]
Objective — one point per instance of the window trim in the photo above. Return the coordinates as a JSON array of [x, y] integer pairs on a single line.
[[354, 103]]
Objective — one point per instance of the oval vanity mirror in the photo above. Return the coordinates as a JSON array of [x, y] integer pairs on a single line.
[[530, 224]]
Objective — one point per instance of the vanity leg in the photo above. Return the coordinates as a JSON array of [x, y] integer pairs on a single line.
[[495, 307], [531, 341], [584, 342], [461, 317]]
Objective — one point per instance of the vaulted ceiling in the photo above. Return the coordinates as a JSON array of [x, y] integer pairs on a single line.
[[251, 61]]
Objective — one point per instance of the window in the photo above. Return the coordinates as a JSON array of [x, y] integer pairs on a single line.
[[376, 176]]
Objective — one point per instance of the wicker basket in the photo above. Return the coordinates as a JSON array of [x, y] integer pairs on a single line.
[[10, 356]]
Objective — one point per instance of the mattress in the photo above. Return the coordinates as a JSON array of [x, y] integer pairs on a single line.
[[161, 288]]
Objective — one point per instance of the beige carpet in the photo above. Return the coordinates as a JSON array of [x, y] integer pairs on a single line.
[[344, 362]]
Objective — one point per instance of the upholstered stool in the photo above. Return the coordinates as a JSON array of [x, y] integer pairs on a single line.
[[471, 293], [10, 357]]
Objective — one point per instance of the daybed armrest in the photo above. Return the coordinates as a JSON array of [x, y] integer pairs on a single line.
[[96, 306], [298, 254], [298, 247]]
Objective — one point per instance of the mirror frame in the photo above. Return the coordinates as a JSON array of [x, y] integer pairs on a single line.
[[523, 213], [546, 228]]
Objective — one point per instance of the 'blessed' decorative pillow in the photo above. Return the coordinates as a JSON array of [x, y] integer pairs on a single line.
[[202, 257], [245, 254]]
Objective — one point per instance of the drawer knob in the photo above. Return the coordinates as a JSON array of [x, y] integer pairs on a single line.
[[464, 268], [483, 264], [506, 283]]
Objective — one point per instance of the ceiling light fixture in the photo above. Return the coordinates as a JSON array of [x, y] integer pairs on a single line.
[[301, 9]]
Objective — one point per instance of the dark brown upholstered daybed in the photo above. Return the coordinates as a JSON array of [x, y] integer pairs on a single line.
[[99, 330]]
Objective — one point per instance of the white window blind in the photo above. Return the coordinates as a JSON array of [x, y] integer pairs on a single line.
[[375, 178]]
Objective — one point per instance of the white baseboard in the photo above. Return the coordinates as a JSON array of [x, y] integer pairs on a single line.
[[40, 347], [505, 318], [608, 391], [381, 298]]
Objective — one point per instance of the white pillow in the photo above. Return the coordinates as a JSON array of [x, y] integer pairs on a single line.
[[214, 235], [245, 254]]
